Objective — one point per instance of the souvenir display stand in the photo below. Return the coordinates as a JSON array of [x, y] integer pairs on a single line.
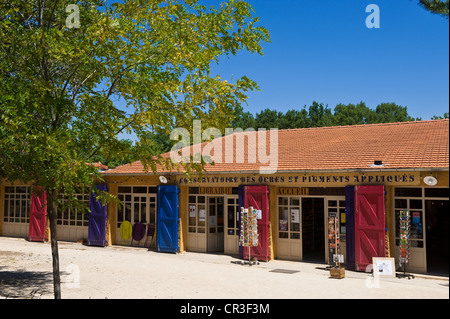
[[405, 227], [333, 247], [248, 232]]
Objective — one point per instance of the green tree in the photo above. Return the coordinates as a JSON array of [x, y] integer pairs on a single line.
[[352, 114], [59, 80], [391, 112], [436, 6], [320, 115], [295, 119], [438, 117], [268, 119], [243, 119], [122, 155]]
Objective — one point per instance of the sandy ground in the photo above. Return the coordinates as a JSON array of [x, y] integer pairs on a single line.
[[131, 272]]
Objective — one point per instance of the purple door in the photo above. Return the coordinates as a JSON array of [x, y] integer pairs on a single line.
[[350, 226], [97, 220]]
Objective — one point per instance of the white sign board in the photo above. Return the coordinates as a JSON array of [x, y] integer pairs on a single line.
[[383, 267]]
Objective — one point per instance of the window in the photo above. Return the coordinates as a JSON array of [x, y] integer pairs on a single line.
[[437, 192], [197, 214], [413, 200], [337, 206], [410, 199], [232, 215], [408, 192], [74, 216], [138, 204], [17, 204], [289, 217]]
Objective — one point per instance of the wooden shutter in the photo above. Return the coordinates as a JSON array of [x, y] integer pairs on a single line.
[[369, 225], [97, 220], [258, 198], [167, 219], [38, 213]]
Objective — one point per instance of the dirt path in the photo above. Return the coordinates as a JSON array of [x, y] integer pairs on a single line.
[[129, 272]]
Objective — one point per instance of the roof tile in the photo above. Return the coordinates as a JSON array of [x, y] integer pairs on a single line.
[[403, 145]]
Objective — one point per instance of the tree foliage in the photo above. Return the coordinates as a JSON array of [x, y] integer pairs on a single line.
[[436, 6], [319, 115], [59, 84]]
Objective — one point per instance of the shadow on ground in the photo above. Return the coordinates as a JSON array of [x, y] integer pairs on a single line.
[[25, 284]]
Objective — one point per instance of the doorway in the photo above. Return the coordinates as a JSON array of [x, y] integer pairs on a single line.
[[231, 240], [437, 223], [213, 224], [313, 229], [215, 237]]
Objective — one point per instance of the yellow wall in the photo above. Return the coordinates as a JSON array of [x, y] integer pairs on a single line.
[[389, 217], [111, 220], [183, 215], [392, 180], [273, 219]]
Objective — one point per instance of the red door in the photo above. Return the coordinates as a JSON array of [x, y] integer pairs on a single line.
[[38, 214], [369, 225], [258, 198]]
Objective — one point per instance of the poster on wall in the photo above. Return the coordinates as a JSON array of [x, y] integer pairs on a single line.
[[201, 215], [192, 211], [295, 215], [258, 214], [416, 231], [283, 225]]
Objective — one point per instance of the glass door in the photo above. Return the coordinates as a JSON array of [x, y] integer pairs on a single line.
[[289, 243], [140, 209], [215, 224], [197, 223], [231, 244]]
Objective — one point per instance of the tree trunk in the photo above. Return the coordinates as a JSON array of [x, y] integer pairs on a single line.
[[54, 244]]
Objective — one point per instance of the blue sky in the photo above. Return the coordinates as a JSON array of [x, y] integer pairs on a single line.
[[322, 51]]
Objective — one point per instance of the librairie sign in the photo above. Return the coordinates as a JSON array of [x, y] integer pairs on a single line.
[[317, 180], [215, 190]]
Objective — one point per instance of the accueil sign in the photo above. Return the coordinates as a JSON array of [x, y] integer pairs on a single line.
[[327, 180]]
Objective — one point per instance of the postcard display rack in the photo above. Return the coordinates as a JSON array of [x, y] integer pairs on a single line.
[[333, 247], [249, 231], [405, 229], [333, 239]]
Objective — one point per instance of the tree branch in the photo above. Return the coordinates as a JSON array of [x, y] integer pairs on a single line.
[[70, 77], [117, 132]]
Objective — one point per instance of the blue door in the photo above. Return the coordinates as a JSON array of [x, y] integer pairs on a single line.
[[167, 219], [97, 220]]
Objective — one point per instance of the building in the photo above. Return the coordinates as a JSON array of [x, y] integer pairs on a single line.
[[363, 177]]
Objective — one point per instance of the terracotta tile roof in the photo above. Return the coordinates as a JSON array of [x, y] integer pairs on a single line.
[[99, 165], [404, 145]]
